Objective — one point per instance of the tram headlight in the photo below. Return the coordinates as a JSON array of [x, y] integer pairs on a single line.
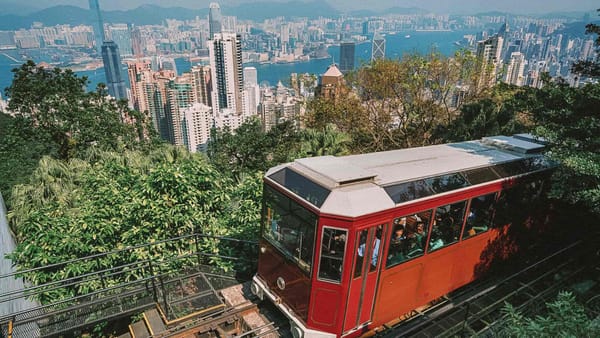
[[257, 291]]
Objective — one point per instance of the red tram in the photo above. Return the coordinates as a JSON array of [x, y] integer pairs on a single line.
[[351, 243]]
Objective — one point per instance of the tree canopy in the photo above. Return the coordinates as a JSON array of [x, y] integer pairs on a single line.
[[55, 103], [400, 103]]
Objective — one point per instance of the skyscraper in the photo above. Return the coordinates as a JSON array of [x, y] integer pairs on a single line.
[[225, 53], [121, 35], [111, 58], [489, 53], [347, 56], [202, 84], [215, 20], [112, 69], [378, 51], [99, 24], [136, 42], [515, 69]]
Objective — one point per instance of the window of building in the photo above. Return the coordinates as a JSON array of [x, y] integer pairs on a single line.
[[409, 234], [480, 215], [447, 225], [333, 247]]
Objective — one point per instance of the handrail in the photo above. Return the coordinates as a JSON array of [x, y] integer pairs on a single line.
[[129, 248]]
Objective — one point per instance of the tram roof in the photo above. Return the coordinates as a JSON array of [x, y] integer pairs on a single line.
[[360, 184]]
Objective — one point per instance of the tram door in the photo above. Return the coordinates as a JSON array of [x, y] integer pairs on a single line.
[[367, 261]]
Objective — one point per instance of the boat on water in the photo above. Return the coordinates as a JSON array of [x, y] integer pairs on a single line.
[[407, 36]]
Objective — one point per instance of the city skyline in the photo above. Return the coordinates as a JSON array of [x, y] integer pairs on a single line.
[[437, 6]]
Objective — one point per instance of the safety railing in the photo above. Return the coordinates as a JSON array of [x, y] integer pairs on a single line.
[[122, 282]]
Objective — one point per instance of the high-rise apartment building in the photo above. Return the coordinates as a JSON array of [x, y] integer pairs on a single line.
[[515, 69], [489, 53], [225, 53], [196, 124], [378, 50], [112, 69], [202, 84], [250, 76], [180, 96], [215, 20], [347, 56], [136, 42]]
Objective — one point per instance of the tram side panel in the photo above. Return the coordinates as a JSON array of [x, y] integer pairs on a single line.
[[295, 289], [328, 295]]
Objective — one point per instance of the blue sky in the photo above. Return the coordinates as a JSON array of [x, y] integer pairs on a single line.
[[438, 6]]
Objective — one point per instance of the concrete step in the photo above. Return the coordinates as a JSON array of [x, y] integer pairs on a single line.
[[139, 330], [154, 322]]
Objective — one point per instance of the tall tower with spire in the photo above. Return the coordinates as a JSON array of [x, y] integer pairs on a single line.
[[98, 24], [111, 58], [215, 20]]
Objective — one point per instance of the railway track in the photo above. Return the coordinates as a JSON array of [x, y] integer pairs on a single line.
[[475, 310], [239, 316]]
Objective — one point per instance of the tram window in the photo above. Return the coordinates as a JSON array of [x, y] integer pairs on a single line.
[[409, 191], [289, 227], [358, 266], [447, 225], [407, 241], [480, 215], [333, 247], [300, 185], [375, 249], [445, 183], [481, 175]]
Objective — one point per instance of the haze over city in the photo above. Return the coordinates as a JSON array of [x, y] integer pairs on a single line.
[[450, 6]]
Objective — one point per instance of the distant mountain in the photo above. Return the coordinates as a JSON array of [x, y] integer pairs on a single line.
[[493, 13], [576, 29], [260, 11], [405, 10], [19, 8], [392, 10], [151, 14]]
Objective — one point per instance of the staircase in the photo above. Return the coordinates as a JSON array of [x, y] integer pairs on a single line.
[[150, 326]]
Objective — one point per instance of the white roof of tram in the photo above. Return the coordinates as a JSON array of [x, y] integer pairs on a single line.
[[357, 182]]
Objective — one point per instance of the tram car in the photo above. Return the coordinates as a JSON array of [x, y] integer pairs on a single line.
[[349, 244]]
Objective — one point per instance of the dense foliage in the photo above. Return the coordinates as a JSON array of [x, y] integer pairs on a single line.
[[400, 103], [56, 105], [110, 201], [564, 318], [568, 119]]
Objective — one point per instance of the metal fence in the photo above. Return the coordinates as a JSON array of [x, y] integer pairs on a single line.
[[116, 284]]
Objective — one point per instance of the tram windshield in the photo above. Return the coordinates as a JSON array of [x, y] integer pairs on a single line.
[[289, 227]]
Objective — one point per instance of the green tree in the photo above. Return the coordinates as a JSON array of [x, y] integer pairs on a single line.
[[71, 209], [21, 148], [589, 68], [329, 141], [567, 118], [501, 112], [56, 105], [249, 149], [399, 103], [565, 317]]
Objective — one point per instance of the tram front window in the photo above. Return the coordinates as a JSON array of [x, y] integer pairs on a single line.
[[289, 227]]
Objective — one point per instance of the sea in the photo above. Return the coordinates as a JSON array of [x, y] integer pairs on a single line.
[[397, 45]]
